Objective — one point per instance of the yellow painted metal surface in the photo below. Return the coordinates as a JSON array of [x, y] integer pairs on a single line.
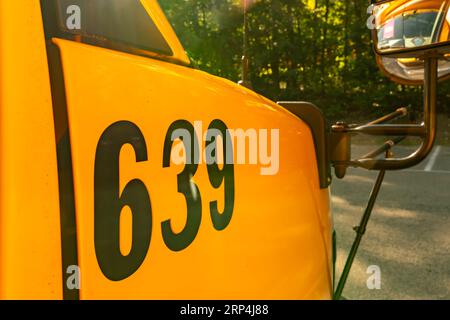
[[445, 33], [30, 249], [278, 242], [392, 10]]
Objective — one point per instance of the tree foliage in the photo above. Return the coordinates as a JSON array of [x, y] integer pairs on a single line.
[[319, 50]]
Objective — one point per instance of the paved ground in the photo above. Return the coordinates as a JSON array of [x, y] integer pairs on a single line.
[[408, 236]]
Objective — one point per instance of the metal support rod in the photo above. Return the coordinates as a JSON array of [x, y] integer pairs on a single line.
[[385, 147], [391, 130], [360, 230], [400, 112]]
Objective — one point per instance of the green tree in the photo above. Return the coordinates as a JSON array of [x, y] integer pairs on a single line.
[[313, 50]]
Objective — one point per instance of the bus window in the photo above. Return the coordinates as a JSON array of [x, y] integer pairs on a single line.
[[122, 25]]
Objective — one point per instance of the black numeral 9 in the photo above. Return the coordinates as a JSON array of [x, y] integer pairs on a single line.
[[218, 176]]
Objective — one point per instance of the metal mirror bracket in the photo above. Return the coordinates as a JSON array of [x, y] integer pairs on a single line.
[[340, 157], [340, 153]]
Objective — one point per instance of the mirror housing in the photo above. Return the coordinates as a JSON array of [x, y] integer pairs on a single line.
[[406, 32]]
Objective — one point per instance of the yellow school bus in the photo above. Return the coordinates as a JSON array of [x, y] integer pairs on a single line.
[[98, 104], [86, 179]]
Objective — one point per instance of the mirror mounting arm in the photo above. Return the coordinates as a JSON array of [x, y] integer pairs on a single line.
[[340, 154], [391, 130], [429, 126]]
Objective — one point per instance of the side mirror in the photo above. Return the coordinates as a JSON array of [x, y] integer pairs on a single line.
[[404, 32], [412, 44]]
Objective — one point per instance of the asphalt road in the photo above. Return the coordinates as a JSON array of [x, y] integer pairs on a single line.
[[408, 236]]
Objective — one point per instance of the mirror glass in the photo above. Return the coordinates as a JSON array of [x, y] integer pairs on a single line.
[[405, 24]]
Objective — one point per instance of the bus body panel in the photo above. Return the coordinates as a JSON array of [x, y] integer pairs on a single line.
[[277, 244], [30, 249]]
